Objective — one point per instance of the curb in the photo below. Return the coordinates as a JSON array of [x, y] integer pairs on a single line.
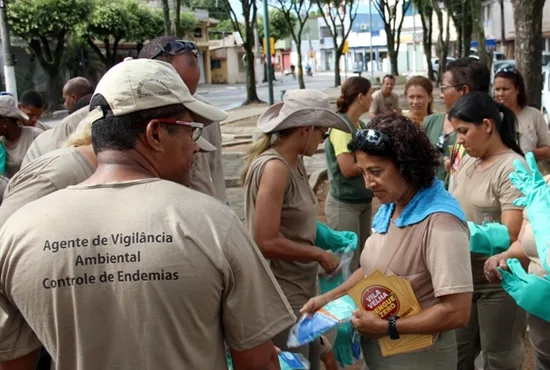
[[236, 143]]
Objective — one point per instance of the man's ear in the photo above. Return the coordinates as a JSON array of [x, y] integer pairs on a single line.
[[154, 135]]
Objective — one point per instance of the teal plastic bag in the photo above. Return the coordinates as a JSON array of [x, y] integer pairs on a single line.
[[530, 292], [536, 201], [489, 239], [330, 316], [287, 361], [2, 160], [347, 344]]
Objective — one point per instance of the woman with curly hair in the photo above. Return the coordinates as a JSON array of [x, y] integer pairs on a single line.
[[487, 132], [420, 234]]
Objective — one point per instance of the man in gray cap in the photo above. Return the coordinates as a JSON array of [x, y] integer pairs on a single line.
[[123, 271]]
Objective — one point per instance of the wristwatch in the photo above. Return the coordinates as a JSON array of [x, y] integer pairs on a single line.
[[392, 330]]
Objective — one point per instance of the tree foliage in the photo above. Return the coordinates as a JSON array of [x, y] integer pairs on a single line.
[[334, 13], [294, 14], [279, 28], [45, 25]]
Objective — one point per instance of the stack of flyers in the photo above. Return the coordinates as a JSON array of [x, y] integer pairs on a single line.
[[390, 296]]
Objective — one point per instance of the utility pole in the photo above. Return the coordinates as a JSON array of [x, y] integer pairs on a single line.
[[502, 29], [9, 70], [371, 53], [414, 40], [269, 67]]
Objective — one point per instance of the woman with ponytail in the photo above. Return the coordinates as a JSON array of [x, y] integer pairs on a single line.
[[487, 131], [349, 204]]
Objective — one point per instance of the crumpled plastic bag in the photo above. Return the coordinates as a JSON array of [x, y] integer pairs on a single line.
[[330, 316]]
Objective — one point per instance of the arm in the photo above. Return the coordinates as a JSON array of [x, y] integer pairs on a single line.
[[516, 250], [27, 362], [262, 357], [542, 153], [347, 165], [267, 220], [512, 219]]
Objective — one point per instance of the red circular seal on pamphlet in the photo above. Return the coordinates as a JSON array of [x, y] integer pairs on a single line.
[[381, 301]]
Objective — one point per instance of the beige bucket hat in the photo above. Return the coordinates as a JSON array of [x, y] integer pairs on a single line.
[[301, 108], [8, 108]]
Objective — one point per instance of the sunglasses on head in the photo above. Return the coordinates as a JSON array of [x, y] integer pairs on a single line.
[[177, 47], [508, 69], [372, 137]]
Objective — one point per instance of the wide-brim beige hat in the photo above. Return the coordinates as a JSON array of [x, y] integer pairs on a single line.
[[8, 108], [301, 108]]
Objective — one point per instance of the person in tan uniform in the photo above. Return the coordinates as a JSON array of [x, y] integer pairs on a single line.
[[53, 139], [121, 271], [15, 138], [208, 176], [74, 90], [385, 100], [420, 234], [487, 132], [532, 128], [32, 104], [280, 207]]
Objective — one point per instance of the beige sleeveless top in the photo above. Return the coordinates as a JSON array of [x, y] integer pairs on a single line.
[[298, 223]]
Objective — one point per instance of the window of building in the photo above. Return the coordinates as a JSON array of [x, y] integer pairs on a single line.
[[198, 32]]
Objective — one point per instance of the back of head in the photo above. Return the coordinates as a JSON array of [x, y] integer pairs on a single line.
[[78, 86], [478, 106], [351, 88], [470, 72], [154, 46], [31, 98], [512, 74], [423, 82]]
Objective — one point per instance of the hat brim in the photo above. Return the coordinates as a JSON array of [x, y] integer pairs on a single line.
[[271, 121], [204, 145], [18, 114], [205, 113]]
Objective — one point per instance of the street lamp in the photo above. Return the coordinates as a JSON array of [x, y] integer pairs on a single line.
[[9, 71]]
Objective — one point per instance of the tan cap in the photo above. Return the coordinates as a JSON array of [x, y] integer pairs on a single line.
[[301, 108], [8, 108], [141, 84]]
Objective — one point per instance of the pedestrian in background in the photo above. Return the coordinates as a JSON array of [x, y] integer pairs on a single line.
[[418, 91]]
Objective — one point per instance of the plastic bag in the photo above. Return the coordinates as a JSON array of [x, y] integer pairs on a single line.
[[330, 316], [287, 360]]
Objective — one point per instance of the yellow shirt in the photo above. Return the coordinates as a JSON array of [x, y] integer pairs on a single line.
[[339, 140]]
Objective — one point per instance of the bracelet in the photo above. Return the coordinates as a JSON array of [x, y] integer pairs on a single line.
[[392, 330]]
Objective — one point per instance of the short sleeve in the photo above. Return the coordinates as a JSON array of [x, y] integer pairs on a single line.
[[16, 337], [339, 140], [375, 102], [254, 308], [543, 135], [447, 255], [507, 192]]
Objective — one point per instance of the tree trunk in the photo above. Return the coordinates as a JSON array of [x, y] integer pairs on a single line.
[[467, 29], [301, 83], [426, 20], [251, 93], [528, 46], [392, 53], [166, 16], [480, 32], [502, 28], [177, 15], [54, 87], [337, 56]]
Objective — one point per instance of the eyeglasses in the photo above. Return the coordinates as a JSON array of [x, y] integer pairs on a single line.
[[442, 87], [177, 47], [197, 127], [373, 137]]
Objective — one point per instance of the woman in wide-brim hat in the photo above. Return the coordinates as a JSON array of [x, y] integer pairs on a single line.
[[280, 207]]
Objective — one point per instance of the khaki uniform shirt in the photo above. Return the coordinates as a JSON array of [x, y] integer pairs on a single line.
[[484, 195], [298, 223], [53, 139], [51, 172], [16, 153], [533, 130], [383, 104], [144, 274]]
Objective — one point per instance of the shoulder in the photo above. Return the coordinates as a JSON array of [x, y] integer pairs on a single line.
[[433, 118], [376, 94], [508, 159], [31, 131], [446, 222], [336, 135], [530, 112]]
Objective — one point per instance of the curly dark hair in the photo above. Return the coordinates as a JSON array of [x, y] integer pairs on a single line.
[[405, 144]]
